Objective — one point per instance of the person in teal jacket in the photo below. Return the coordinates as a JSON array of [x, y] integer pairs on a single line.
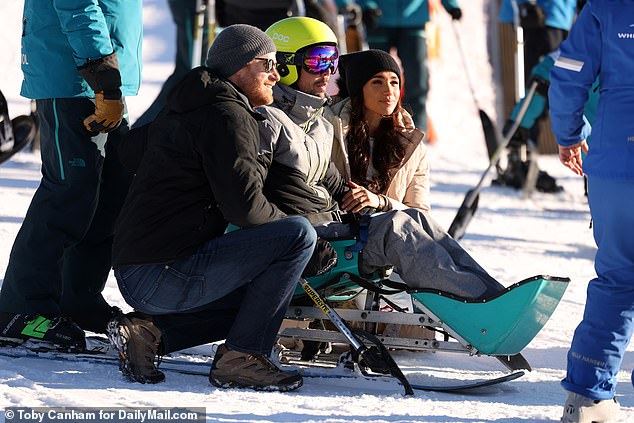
[[401, 24], [80, 58], [545, 23]]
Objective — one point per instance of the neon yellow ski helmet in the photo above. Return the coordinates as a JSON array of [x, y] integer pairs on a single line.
[[292, 36]]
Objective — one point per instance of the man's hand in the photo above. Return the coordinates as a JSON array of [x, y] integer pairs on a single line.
[[571, 156], [108, 114], [359, 198]]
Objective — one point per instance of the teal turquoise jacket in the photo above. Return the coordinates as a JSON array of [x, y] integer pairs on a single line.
[[402, 13], [559, 13], [60, 35]]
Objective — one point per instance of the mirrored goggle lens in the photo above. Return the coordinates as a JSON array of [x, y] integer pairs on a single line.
[[321, 58]]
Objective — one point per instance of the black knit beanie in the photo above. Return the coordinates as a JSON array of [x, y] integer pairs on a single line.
[[235, 46], [358, 68]]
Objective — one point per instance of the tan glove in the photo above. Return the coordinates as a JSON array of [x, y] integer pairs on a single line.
[[104, 78], [108, 114]]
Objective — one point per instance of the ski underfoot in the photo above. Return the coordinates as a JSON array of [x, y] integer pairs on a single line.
[[100, 352]]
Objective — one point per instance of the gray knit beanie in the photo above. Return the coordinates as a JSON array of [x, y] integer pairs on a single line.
[[235, 46]]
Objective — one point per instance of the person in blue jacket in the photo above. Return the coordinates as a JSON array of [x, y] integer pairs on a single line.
[[80, 58], [401, 24], [600, 45]]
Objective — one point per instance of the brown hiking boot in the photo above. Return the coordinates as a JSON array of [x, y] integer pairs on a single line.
[[234, 369], [137, 340]]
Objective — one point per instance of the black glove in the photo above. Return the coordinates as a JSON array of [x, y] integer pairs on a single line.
[[371, 17], [456, 13], [104, 78], [323, 259]]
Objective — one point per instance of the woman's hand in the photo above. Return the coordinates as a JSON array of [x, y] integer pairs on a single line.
[[571, 156], [359, 198]]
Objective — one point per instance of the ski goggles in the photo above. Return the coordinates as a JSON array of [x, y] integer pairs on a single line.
[[315, 60], [319, 59]]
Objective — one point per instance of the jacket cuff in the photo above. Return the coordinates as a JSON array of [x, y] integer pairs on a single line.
[[103, 75]]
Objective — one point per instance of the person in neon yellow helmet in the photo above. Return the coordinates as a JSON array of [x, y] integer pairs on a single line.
[[307, 53], [296, 144]]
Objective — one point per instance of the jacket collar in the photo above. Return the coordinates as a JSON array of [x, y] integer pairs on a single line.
[[244, 99], [299, 106], [200, 87], [343, 109]]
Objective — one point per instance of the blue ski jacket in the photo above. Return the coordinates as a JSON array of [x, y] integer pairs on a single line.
[[601, 43], [402, 13], [60, 35], [559, 13]]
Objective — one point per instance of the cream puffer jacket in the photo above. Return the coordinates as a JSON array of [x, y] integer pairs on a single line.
[[410, 185]]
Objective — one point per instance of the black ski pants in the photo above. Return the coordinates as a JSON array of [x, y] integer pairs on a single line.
[[61, 257]]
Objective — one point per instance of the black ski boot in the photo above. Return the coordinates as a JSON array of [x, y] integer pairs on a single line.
[[516, 172], [514, 175], [138, 341], [546, 183], [47, 332]]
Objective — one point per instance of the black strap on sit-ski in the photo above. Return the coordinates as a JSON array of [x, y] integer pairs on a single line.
[[363, 223], [372, 287]]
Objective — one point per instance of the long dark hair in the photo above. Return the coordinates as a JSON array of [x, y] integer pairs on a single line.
[[388, 149]]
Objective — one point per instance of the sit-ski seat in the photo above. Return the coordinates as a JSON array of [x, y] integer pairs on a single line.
[[341, 283], [499, 325]]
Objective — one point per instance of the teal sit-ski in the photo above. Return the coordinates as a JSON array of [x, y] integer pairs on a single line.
[[500, 326]]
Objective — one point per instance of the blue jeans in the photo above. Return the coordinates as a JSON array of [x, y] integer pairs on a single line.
[[601, 338], [268, 260]]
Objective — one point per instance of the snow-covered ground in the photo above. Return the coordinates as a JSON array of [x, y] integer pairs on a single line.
[[513, 238]]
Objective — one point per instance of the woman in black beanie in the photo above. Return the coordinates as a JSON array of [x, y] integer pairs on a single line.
[[378, 147], [376, 144]]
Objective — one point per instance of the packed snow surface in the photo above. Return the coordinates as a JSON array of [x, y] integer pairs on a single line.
[[512, 237]]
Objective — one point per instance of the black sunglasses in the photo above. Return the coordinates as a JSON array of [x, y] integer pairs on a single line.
[[269, 65]]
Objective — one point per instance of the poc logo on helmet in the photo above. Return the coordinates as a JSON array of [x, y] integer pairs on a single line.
[[280, 37]]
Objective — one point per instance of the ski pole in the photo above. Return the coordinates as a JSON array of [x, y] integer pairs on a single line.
[[519, 52], [357, 345], [490, 134], [201, 32], [470, 203]]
